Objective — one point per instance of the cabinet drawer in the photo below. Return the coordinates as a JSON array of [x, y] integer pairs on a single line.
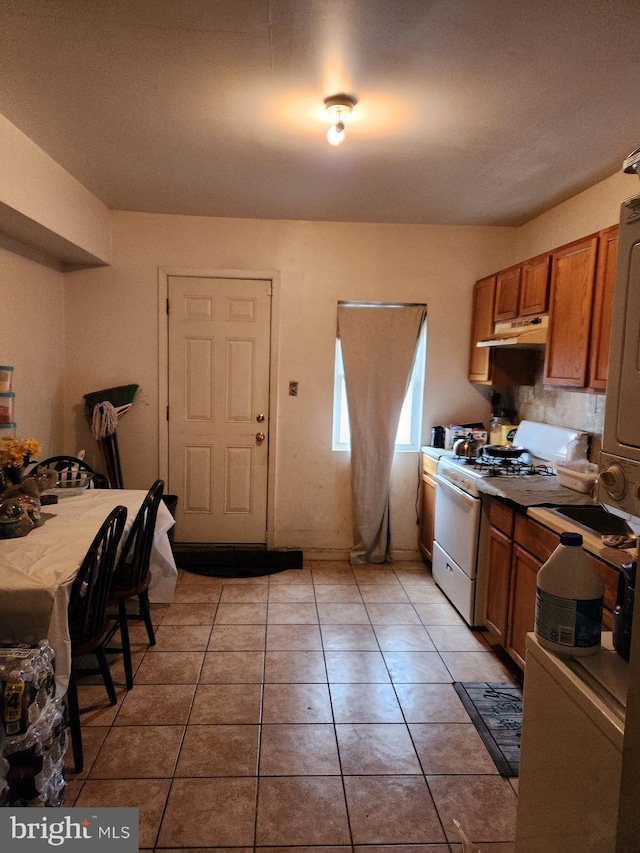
[[535, 538], [501, 516]]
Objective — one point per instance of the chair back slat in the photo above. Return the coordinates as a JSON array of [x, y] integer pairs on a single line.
[[90, 589], [136, 552]]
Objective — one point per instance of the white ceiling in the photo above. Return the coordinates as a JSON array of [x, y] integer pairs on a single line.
[[470, 111]]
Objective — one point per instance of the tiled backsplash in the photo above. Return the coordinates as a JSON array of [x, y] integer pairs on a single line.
[[571, 409]]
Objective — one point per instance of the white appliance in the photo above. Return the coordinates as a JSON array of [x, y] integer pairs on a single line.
[[571, 752], [459, 531], [619, 480]]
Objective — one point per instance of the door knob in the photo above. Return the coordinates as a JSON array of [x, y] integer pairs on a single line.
[[260, 418], [260, 437]]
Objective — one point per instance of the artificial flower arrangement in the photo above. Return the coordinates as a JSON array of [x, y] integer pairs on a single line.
[[20, 498], [18, 451], [15, 454]]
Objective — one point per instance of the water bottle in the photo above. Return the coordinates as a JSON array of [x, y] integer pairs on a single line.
[[569, 601]]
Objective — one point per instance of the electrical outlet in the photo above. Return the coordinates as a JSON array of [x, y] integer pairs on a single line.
[[293, 389]]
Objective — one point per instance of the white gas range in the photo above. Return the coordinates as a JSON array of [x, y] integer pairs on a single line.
[[458, 527]]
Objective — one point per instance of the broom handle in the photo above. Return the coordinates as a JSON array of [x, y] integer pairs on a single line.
[[106, 445], [116, 452]]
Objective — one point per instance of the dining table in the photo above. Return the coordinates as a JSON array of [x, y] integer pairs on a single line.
[[37, 570]]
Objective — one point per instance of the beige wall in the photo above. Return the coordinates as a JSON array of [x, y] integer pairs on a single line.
[[32, 341], [113, 313], [596, 208]]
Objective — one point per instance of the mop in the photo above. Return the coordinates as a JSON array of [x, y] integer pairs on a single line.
[[103, 410]]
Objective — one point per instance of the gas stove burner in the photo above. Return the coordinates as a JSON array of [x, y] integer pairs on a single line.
[[492, 466]]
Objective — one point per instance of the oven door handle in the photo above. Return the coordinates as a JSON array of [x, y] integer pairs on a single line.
[[458, 492]]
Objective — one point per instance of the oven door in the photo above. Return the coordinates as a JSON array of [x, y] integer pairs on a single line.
[[457, 525]]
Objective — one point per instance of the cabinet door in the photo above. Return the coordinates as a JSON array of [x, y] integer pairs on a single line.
[[508, 293], [534, 289], [498, 580], [602, 307], [573, 271], [484, 295], [522, 602], [427, 513]]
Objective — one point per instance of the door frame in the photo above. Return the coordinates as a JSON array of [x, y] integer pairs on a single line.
[[164, 273]]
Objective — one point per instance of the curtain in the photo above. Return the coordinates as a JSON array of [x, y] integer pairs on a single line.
[[378, 347]]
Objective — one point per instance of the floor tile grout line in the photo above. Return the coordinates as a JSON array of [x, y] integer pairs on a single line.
[[334, 723]]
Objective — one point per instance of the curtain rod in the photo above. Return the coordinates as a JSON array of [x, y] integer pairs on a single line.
[[381, 304]]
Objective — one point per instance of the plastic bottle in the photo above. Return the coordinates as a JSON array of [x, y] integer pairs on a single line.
[[569, 601]]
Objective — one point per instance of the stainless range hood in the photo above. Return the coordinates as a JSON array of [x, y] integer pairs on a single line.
[[528, 333]]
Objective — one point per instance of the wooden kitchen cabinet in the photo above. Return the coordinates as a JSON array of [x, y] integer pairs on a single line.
[[498, 584], [489, 366], [602, 308], [518, 546], [500, 546], [508, 294], [534, 289], [484, 298], [573, 270], [582, 283], [523, 290], [522, 605], [427, 515]]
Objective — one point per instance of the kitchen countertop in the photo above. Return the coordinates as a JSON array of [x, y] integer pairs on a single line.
[[532, 491]]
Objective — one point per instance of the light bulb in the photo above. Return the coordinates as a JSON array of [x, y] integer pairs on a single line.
[[335, 134]]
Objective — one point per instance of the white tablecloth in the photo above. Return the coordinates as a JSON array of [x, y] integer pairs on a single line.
[[37, 570]]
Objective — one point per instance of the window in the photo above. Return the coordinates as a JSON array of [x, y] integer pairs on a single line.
[[409, 435]]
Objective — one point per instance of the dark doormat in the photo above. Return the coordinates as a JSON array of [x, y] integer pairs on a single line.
[[230, 562], [495, 709]]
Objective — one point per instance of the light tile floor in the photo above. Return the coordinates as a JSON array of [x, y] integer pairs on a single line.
[[303, 710]]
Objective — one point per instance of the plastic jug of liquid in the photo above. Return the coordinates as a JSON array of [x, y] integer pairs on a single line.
[[569, 601]]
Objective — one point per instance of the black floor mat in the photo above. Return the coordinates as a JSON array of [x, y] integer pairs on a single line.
[[495, 709], [229, 562]]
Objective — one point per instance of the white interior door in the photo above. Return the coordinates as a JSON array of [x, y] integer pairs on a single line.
[[219, 346]]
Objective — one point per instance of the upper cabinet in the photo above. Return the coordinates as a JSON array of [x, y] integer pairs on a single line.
[[574, 285], [523, 290], [534, 290], [582, 281], [602, 306], [573, 271], [508, 293], [484, 298]]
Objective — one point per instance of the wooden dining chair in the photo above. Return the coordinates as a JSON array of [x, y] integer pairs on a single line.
[[69, 464], [89, 625], [132, 575]]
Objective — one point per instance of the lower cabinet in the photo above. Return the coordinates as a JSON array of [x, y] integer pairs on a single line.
[[517, 548], [522, 603], [498, 573], [427, 515]]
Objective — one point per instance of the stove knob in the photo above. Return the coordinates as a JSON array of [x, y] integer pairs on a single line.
[[614, 481], [466, 484]]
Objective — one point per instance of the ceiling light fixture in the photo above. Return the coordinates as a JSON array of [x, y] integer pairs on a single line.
[[337, 106]]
